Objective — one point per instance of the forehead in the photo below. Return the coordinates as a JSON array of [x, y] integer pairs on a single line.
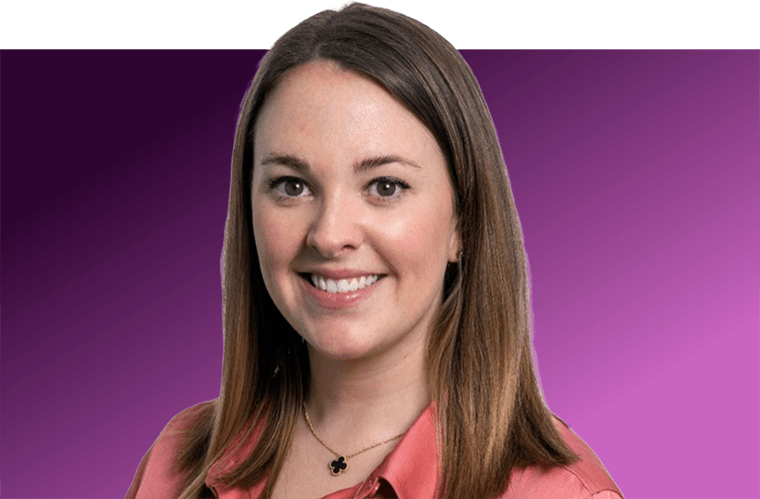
[[324, 103]]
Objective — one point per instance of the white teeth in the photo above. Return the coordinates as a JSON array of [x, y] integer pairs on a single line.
[[343, 285]]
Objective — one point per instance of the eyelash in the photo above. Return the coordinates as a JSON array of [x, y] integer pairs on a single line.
[[275, 183]]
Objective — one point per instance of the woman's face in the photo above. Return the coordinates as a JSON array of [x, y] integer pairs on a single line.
[[353, 213]]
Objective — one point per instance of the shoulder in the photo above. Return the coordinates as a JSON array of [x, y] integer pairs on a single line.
[[586, 478], [157, 476]]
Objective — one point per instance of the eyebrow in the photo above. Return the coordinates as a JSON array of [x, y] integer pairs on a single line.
[[364, 165]]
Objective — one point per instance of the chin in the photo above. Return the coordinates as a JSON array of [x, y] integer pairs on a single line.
[[344, 346]]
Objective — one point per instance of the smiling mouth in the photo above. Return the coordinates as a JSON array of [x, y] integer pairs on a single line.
[[341, 285]]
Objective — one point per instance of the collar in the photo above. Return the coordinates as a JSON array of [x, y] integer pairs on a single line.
[[411, 469]]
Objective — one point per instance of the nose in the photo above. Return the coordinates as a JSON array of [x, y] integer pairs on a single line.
[[336, 228]]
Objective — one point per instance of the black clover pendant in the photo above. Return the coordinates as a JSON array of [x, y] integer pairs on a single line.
[[338, 466]]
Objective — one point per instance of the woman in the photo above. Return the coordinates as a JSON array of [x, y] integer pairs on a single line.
[[376, 314]]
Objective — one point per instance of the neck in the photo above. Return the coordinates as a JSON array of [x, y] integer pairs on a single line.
[[354, 403]]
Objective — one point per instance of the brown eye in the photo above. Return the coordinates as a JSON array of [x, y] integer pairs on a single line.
[[289, 187], [387, 188], [293, 187]]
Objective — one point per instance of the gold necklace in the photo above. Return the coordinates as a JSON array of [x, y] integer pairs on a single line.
[[339, 464]]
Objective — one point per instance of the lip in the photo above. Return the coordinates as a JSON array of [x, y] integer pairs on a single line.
[[338, 301]]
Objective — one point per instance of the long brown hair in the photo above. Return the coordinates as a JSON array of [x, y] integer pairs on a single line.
[[491, 414]]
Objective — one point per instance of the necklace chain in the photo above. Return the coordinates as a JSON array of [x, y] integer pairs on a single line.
[[338, 454]]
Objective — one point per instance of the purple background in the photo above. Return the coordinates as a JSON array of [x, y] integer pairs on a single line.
[[636, 178]]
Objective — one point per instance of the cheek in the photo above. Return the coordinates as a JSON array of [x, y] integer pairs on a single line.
[[419, 242], [273, 243]]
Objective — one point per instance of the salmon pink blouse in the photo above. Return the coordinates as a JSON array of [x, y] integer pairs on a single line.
[[409, 471]]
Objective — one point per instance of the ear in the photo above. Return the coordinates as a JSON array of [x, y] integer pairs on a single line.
[[455, 244]]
